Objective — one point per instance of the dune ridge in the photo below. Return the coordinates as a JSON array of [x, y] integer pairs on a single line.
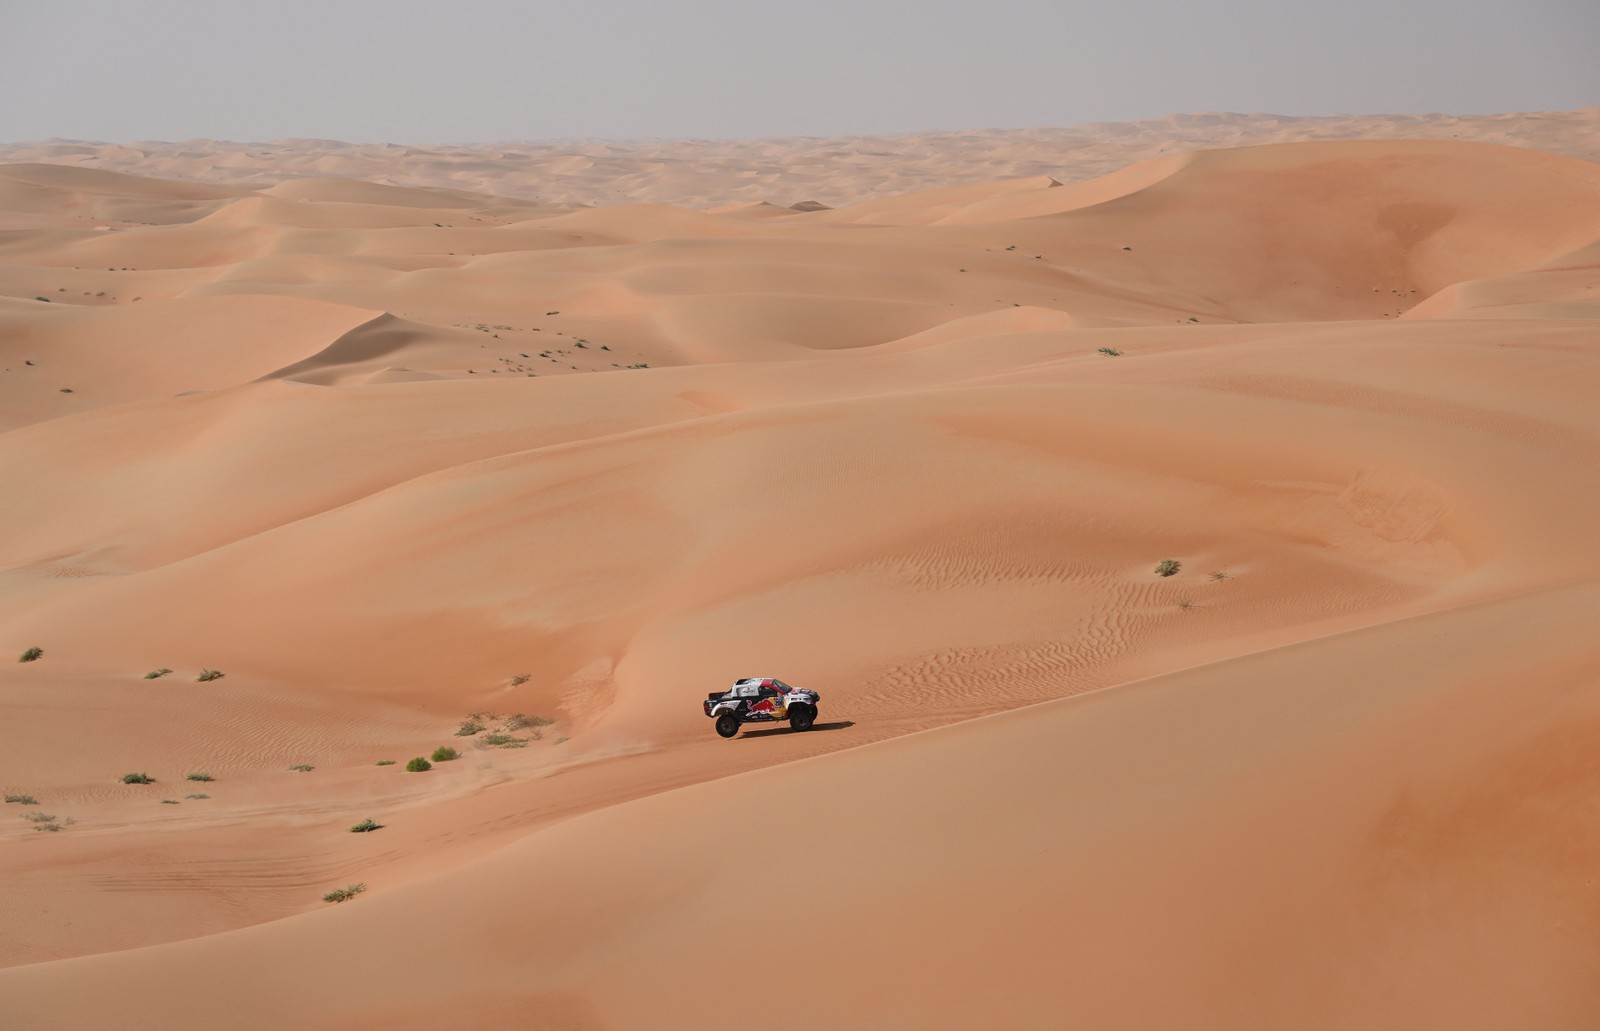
[[400, 459]]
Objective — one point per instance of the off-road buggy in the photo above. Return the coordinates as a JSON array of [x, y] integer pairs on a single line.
[[761, 700]]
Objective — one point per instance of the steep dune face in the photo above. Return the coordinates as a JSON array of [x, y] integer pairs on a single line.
[[403, 462]]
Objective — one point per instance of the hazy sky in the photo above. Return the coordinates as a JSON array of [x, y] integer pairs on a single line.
[[477, 70]]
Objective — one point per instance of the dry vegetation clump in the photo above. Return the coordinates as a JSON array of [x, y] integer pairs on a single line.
[[157, 674], [137, 778], [200, 776], [1168, 567], [210, 674], [31, 655], [302, 767], [21, 800], [366, 826], [344, 894]]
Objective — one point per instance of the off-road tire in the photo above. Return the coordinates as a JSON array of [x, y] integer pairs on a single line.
[[801, 717], [727, 725]]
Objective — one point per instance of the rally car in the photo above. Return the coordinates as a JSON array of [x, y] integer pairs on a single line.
[[761, 700]]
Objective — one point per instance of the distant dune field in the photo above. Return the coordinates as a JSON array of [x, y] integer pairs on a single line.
[[521, 450]]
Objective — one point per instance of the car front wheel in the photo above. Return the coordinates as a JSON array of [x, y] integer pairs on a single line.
[[801, 717]]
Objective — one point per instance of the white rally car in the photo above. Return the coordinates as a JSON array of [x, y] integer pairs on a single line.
[[761, 700]]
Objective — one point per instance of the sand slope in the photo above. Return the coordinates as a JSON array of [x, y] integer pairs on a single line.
[[389, 457]]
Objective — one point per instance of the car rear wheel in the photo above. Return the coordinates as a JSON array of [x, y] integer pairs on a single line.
[[801, 717], [727, 725]]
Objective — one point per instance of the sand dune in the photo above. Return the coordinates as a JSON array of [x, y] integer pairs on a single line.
[[391, 455]]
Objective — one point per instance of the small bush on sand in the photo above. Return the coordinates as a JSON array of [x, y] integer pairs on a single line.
[[418, 765], [520, 679], [522, 721], [344, 894], [1109, 352], [137, 778], [468, 728], [444, 754], [198, 794], [169, 801], [384, 762], [39, 818], [31, 655], [1220, 575], [302, 767], [210, 674], [1168, 566], [157, 674], [200, 776], [22, 799], [366, 826], [503, 741]]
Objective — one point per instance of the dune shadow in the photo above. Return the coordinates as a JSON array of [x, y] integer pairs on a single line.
[[815, 727]]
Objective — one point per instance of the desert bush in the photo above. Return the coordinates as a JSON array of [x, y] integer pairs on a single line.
[[444, 754], [503, 741], [344, 894], [198, 794], [560, 741], [169, 801], [1109, 352], [521, 721], [1185, 604], [468, 728], [302, 767], [366, 826], [210, 674], [520, 679], [156, 674], [200, 776], [1168, 566], [31, 655], [39, 818], [137, 778], [22, 799], [384, 762], [418, 765], [1220, 575]]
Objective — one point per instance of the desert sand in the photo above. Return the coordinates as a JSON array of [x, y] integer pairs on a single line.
[[405, 442]]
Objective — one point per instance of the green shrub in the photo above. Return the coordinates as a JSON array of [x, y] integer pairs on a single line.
[[366, 826], [210, 674], [503, 741], [157, 673], [444, 754], [200, 776], [1168, 566], [137, 778], [468, 728], [22, 799], [31, 655], [418, 765], [344, 894], [302, 767], [384, 762]]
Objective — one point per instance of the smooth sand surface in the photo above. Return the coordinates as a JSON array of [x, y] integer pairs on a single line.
[[392, 454]]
